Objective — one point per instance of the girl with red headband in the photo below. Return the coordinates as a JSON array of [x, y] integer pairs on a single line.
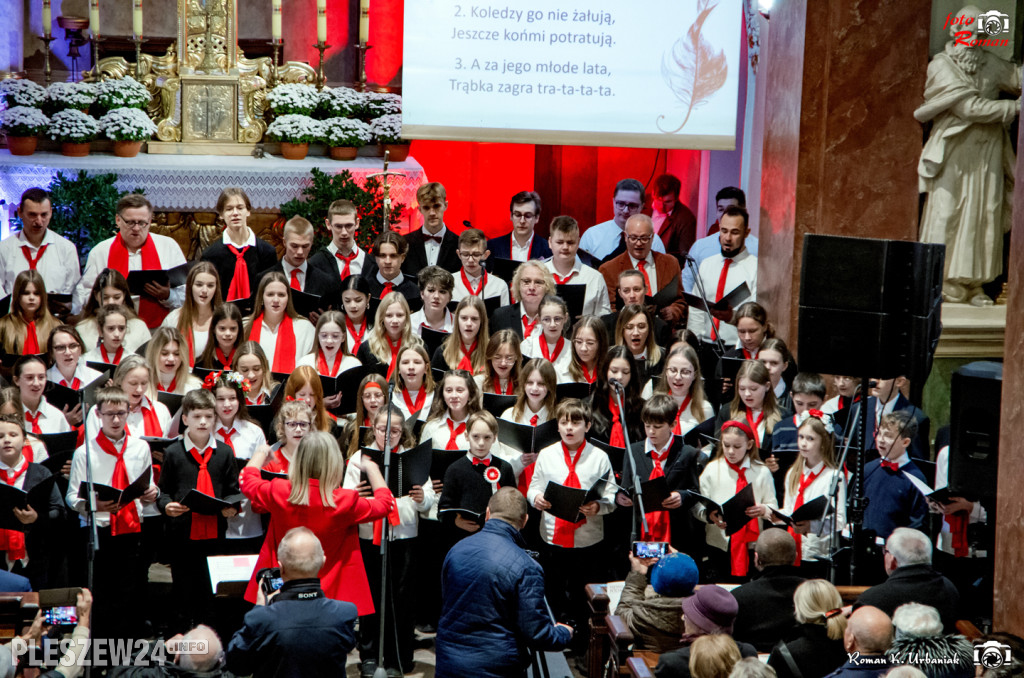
[[734, 465], [370, 397]]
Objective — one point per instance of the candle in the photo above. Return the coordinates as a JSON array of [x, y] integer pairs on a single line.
[[275, 20], [47, 18], [364, 22], [137, 19], [94, 17], [321, 21]]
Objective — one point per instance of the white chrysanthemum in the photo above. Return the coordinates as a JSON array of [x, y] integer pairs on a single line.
[[73, 125], [293, 98], [15, 92], [126, 92], [342, 102], [23, 121], [293, 128], [346, 132], [388, 129], [71, 95], [383, 103], [127, 124]]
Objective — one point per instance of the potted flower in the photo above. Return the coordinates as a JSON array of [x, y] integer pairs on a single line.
[[341, 102], [294, 132], [22, 125], [126, 92], [16, 92], [75, 95], [344, 136], [128, 128], [74, 130], [293, 98], [383, 103], [388, 130]]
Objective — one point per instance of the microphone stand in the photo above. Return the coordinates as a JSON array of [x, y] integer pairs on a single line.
[[702, 293], [638, 497], [833, 502], [380, 671], [92, 538]]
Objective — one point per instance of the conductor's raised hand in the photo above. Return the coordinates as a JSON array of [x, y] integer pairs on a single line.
[[259, 457]]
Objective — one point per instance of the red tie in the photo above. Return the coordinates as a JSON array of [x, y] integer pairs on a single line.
[[805, 482], [559, 280], [203, 527], [754, 423], [615, 436], [31, 346], [395, 350], [27, 251], [239, 288], [748, 534], [357, 337], [466, 362], [658, 527], [126, 520], [388, 287], [528, 326], [295, 284], [679, 413], [587, 375], [719, 293], [34, 420], [455, 431], [346, 261], [565, 531], [477, 461], [958, 531], [527, 475], [76, 383], [13, 541], [416, 406], [551, 356], [226, 435], [887, 465], [469, 286], [106, 356], [642, 266]]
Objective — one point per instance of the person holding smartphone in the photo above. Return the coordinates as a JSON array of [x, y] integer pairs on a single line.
[[652, 613]]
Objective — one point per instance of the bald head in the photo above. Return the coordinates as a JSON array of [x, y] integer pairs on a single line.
[[300, 554], [639, 236], [868, 631], [510, 505], [775, 548], [204, 661]]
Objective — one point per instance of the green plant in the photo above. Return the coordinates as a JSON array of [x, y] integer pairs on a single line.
[[326, 188], [84, 207]]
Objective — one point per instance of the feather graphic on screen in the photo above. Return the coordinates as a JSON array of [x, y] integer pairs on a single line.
[[693, 70]]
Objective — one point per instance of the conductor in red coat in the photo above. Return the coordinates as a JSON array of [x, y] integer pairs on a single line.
[[312, 497]]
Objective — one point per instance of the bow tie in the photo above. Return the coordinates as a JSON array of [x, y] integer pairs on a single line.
[[435, 238], [890, 466], [481, 462]]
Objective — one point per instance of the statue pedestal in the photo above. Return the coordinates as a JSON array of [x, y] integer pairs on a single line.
[[972, 332]]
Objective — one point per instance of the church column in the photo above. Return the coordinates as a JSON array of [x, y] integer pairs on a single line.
[[12, 39], [840, 144]]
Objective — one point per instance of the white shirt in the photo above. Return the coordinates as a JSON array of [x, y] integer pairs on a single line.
[[166, 248], [408, 510], [419, 319], [347, 363], [780, 389], [718, 483], [593, 464], [977, 514], [704, 248], [649, 269], [304, 332], [396, 281], [602, 239], [58, 265], [493, 287], [437, 431], [398, 400], [885, 409], [136, 422], [135, 335], [521, 253], [813, 546], [595, 299], [136, 460], [250, 239], [83, 373], [742, 270], [199, 337], [51, 420], [432, 248], [507, 453], [531, 348], [355, 267], [288, 268]]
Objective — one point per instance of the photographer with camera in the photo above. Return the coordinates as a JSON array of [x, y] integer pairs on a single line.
[[296, 630]]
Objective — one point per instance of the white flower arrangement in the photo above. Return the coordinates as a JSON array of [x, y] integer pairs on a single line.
[[16, 92], [345, 132], [383, 103], [293, 98], [825, 419], [388, 129], [295, 129], [342, 102], [126, 92], [23, 121], [76, 95], [74, 126], [127, 124]]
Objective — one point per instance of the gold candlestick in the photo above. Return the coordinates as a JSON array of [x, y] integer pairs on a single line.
[[138, 57], [363, 49], [96, 56], [321, 81], [47, 71], [276, 44]]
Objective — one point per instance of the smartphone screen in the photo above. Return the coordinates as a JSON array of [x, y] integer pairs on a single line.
[[61, 616], [649, 549]]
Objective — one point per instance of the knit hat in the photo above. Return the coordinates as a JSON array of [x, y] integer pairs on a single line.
[[674, 575], [712, 609]]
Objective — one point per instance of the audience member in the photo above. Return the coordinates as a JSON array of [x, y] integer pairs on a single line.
[[713, 656], [752, 667], [70, 665], [649, 604], [815, 648], [205, 658], [867, 638], [919, 641]]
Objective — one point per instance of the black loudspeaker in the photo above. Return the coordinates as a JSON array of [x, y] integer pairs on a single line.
[[869, 307], [974, 407]]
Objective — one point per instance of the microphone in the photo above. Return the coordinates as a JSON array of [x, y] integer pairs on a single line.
[[616, 384], [391, 389]]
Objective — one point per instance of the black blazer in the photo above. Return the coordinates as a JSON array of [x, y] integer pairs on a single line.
[[409, 288], [257, 259], [40, 537], [508, 318], [328, 263], [766, 608], [180, 473], [501, 247], [682, 473], [915, 584], [417, 258], [813, 652], [318, 282]]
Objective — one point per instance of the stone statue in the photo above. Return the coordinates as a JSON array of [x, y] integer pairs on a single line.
[[967, 164]]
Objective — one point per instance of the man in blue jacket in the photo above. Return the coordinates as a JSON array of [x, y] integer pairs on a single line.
[[493, 611], [299, 632]]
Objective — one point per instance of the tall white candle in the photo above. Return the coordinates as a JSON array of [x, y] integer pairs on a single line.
[[321, 21], [137, 18], [47, 18], [94, 17], [275, 20], [364, 21]]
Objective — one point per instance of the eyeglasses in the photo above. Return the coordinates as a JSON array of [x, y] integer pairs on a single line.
[[639, 239], [297, 425], [531, 282], [66, 348], [552, 320], [623, 205], [140, 223], [471, 255], [504, 359], [523, 216], [120, 414], [673, 372], [383, 430]]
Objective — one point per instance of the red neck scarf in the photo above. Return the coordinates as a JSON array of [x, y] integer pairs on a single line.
[[284, 347], [151, 422], [34, 420], [357, 336], [395, 350], [528, 326], [150, 310], [190, 342], [805, 481], [239, 287], [416, 406], [203, 527], [466, 361], [388, 288], [106, 356], [748, 356], [225, 361], [75, 384], [527, 475], [754, 423], [551, 355], [170, 387], [738, 555], [226, 434], [321, 364], [454, 433], [346, 262], [958, 531], [615, 436], [13, 541], [658, 528], [565, 531], [28, 452], [587, 374], [469, 286], [125, 521], [31, 345], [32, 262], [260, 399], [679, 413], [510, 389], [559, 280]]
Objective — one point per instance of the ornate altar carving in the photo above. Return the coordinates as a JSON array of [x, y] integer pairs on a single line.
[[208, 92]]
